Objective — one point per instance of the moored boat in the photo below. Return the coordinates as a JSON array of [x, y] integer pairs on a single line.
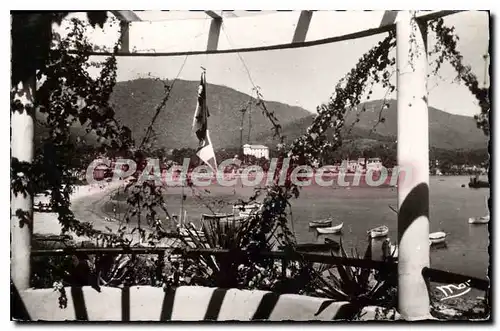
[[380, 231], [321, 223], [479, 220], [437, 238], [331, 229]]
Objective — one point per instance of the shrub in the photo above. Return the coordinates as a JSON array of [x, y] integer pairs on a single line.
[[361, 286]]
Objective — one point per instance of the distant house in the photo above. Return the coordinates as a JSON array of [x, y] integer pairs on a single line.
[[256, 150], [374, 164]]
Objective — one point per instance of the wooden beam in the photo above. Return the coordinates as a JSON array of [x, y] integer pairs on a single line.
[[229, 13], [213, 34], [302, 26], [126, 15]]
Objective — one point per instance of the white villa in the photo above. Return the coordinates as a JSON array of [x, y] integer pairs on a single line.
[[256, 150]]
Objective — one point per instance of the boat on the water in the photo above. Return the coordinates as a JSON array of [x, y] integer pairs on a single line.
[[332, 243], [380, 231], [321, 223], [247, 209], [331, 229], [475, 182], [216, 216], [479, 220], [437, 238]]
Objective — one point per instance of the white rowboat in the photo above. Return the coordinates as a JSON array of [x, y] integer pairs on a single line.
[[437, 238], [330, 230], [479, 220], [377, 232], [321, 223]]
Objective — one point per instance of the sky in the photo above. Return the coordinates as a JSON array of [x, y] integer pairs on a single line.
[[303, 77]]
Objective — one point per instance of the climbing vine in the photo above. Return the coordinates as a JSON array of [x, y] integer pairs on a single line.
[[446, 49]]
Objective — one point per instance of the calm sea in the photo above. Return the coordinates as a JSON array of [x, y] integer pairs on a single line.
[[362, 208]]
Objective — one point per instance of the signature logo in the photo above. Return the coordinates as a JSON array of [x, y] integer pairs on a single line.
[[454, 291]]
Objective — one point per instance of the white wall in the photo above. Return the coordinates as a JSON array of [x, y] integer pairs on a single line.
[[187, 303]]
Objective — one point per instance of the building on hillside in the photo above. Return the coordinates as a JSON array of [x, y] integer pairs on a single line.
[[256, 150], [374, 164]]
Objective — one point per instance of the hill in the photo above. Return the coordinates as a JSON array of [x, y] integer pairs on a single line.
[[135, 102], [446, 131]]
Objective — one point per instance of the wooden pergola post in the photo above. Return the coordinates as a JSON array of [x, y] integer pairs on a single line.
[[413, 155], [22, 148]]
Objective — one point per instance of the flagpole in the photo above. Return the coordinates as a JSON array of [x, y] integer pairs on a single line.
[[182, 201], [243, 110]]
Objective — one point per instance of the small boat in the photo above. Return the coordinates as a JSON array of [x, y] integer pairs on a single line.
[[310, 247], [378, 232], [479, 220], [331, 229], [437, 238], [475, 182], [321, 223]]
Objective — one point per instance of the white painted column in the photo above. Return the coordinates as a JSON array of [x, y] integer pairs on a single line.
[[22, 146], [413, 155]]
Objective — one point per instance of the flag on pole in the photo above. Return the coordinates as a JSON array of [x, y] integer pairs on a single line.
[[205, 149]]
